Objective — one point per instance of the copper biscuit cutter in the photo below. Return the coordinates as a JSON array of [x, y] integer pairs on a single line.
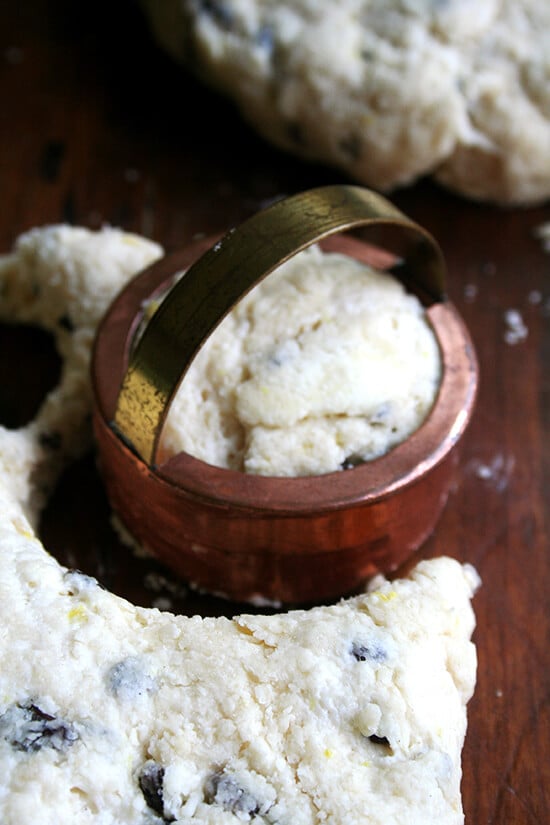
[[266, 539]]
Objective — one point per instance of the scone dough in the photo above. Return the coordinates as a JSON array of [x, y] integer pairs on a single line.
[[385, 90], [62, 279], [325, 364], [111, 714]]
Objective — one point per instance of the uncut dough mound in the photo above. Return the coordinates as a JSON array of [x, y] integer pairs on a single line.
[[325, 364], [385, 90], [112, 713]]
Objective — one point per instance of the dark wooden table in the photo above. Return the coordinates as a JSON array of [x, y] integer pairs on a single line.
[[98, 126]]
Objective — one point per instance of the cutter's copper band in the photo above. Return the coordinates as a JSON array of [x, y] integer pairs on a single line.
[[232, 267]]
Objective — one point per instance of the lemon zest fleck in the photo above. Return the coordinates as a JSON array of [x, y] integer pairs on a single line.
[[131, 240], [23, 530], [78, 613], [387, 597]]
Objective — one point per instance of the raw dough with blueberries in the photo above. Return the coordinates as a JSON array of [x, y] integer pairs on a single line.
[[112, 714], [385, 90], [61, 278], [325, 364]]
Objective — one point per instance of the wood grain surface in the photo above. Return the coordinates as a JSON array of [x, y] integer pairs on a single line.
[[98, 126]]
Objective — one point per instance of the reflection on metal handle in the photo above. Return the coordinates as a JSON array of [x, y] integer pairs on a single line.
[[227, 271]]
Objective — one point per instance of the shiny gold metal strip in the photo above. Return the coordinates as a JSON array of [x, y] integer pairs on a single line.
[[226, 272]]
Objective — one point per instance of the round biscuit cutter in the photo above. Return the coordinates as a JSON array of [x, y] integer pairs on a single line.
[[266, 539]]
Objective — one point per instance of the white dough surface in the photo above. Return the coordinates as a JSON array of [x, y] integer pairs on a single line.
[[325, 364], [113, 714], [387, 91]]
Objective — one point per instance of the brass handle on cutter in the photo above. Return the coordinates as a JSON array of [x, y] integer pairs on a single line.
[[227, 271]]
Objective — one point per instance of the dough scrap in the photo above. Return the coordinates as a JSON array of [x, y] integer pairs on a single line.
[[62, 279], [354, 712]]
